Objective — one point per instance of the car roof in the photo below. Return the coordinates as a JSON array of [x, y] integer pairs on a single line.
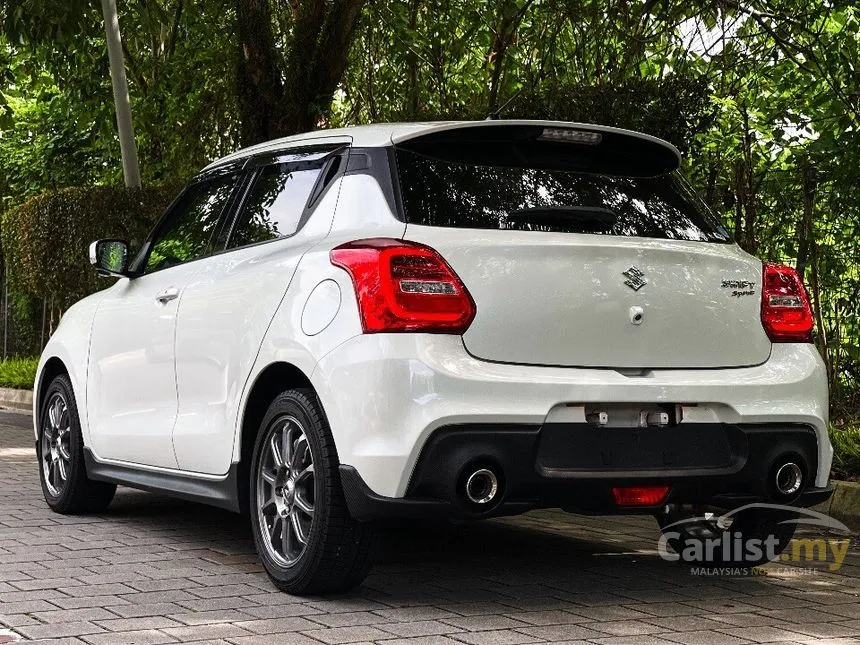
[[387, 134]]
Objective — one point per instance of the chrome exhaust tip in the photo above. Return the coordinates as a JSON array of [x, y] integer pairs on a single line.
[[482, 486], [788, 479]]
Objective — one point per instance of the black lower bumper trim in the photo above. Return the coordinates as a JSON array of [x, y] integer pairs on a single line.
[[575, 468], [809, 497], [365, 505]]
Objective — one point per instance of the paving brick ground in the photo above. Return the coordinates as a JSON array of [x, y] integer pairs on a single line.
[[153, 570]]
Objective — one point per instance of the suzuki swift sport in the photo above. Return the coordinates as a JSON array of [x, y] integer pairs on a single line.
[[451, 320]]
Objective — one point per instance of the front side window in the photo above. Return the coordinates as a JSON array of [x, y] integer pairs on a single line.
[[185, 234], [274, 206]]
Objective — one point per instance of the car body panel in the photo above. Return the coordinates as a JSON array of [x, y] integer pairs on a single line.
[[226, 310], [563, 299], [285, 342], [427, 381], [70, 343], [131, 384]]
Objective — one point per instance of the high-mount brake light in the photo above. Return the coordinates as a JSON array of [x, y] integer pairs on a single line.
[[404, 286], [785, 310], [569, 135]]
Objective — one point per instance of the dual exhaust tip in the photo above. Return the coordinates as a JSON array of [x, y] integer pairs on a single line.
[[482, 487]]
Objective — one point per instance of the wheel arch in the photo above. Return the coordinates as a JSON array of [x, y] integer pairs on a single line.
[[271, 381], [52, 368]]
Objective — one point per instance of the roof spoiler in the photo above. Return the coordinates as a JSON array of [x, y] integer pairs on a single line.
[[579, 147]]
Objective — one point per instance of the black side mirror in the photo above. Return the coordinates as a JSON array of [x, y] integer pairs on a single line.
[[110, 258]]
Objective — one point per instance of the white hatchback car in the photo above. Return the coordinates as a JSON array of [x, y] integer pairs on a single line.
[[455, 320]]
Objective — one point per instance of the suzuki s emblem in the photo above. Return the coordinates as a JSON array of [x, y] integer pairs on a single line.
[[635, 278]]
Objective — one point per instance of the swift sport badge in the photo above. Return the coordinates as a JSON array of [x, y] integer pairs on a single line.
[[739, 288], [635, 278]]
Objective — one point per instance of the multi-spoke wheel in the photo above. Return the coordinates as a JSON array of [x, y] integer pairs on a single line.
[[56, 455], [285, 490], [61, 455], [304, 534]]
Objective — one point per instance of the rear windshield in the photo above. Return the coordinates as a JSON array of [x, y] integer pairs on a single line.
[[457, 194]]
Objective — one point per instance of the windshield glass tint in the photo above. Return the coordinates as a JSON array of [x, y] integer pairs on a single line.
[[465, 195]]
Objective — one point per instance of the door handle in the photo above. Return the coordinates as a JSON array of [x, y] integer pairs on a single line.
[[171, 293]]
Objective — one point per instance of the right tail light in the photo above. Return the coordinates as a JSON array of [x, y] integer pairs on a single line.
[[785, 310]]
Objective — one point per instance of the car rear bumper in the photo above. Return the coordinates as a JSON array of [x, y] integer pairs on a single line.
[[386, 395], [575, 468]]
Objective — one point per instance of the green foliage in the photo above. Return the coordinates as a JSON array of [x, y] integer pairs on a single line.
[[676, 108], [57, 122], [50, 145], [25, 324], [846, 452], [18, 373], [46, 239], [761, 97]]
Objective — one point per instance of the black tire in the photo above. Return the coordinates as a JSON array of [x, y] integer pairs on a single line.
[[339, 551], [768, 526], [76, 493]]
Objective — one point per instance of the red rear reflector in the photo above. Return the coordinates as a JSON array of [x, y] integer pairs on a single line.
[[785, 311], [404, 286], [639, 495]]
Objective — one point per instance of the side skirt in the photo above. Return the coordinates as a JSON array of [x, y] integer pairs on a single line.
[[223, 493]]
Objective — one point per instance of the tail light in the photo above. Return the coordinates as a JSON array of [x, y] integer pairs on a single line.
[[785, 311], [639, 495], [404, 286]]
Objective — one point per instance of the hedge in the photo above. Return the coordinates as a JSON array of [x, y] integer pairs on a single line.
[[46, 239], [846, 452], [18, 373]]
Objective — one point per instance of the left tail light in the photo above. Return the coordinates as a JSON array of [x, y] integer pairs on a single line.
[[785, 310], [404, 286]]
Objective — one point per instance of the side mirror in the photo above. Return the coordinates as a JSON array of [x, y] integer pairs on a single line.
[[110, 258]]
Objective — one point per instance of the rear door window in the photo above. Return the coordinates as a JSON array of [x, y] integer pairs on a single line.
[[506, 191], [274, 206]]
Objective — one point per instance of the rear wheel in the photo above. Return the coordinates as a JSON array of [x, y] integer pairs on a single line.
[[303, 532], [65, 484], [746, 537]]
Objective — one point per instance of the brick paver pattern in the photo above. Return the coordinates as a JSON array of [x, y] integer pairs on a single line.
[[154, 570]]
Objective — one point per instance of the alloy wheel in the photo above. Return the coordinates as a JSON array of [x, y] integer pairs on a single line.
[[285, 491], [55, 445]]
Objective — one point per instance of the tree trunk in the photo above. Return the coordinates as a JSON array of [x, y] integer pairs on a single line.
[[119, 82], [819, 321], [412, 88], [805, 233], [259, 89], [279, 96], [749, 196], [510, 17], [739, 206]]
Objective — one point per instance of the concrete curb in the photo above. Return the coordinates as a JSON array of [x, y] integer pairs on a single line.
[[13, 399], [844, 504]]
